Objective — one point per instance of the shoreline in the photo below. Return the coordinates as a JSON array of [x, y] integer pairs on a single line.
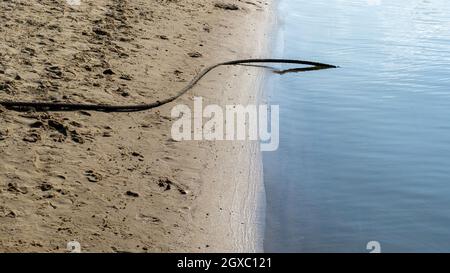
[[117, 182], [239, 202]]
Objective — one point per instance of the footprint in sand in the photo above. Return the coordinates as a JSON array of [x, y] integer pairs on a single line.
[[13, 187], [93, 176], [167, 184], [32, 136]]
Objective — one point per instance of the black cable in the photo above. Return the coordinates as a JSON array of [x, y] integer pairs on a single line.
[[57, 106]]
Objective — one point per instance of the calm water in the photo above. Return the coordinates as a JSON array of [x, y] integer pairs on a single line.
[[365, 149]]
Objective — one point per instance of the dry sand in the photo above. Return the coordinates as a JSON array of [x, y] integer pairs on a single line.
[[116, 181]]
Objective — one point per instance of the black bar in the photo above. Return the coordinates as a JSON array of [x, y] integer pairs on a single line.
[[218, 262]]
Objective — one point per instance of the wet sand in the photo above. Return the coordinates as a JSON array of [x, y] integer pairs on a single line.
[[117, 181]]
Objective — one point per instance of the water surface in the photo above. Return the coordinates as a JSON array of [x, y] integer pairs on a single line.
[[365, 149]]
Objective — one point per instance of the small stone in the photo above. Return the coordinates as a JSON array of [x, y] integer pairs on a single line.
[[195, 54], [136, 154], [132, 194], [162, 37], [108, 72]]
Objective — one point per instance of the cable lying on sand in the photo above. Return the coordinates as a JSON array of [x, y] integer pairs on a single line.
[[57, 106]]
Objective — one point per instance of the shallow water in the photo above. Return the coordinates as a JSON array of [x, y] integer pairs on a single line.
[[365, 149]]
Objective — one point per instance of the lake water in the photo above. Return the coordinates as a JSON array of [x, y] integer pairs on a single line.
[[364, 149]]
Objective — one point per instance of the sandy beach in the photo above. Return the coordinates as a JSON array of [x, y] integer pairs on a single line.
[[117, 182]]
